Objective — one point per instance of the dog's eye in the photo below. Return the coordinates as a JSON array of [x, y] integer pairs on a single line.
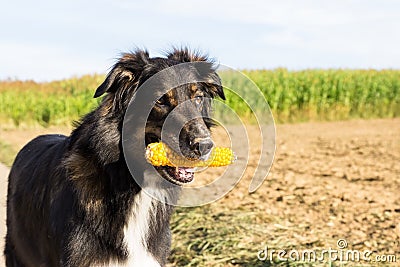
[[161, 102], [198, 100]]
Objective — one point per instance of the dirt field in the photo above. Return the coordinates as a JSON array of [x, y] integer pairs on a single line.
[[329, 181]]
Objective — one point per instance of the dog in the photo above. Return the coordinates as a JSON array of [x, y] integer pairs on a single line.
[[72, 200]]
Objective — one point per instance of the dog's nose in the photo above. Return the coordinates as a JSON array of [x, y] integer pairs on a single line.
[[203, 147]]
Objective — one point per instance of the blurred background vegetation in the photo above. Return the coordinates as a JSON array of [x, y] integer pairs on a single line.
[[293, 96]]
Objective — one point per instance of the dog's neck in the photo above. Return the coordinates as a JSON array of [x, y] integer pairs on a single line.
[[102, 140], [141, 228]]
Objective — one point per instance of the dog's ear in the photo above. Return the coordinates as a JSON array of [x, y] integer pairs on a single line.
[[126, 70], [212, 81], [114, 78], [206, 70], [215, 86]]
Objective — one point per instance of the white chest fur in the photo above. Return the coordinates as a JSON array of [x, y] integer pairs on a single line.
[[137, 229], [135, 234]]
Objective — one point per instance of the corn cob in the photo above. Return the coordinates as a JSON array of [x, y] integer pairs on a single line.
[[159, 154]]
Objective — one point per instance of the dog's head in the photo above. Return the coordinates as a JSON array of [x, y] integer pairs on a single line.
[[187, 106]]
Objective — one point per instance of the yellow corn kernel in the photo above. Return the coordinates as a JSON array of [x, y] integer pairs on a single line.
[[159, 154]]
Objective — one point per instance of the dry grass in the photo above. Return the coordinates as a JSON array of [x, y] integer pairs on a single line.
[[7, 154]]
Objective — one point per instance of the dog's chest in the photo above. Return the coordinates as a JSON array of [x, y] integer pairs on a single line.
[[136, 232]]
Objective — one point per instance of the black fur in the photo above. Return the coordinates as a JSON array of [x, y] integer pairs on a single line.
[[69, 197]]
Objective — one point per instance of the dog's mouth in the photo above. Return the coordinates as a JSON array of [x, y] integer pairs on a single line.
[[176, 175]]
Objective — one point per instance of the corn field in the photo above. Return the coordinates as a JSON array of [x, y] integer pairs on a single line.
[[325, 94], [292, 96], [55, 103]]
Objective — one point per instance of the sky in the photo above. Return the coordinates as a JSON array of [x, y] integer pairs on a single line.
[[50, 40]]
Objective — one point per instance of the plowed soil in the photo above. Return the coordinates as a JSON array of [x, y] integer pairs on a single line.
[[329, 181]]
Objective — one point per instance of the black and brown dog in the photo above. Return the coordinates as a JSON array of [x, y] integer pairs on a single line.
[[72, 200]]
